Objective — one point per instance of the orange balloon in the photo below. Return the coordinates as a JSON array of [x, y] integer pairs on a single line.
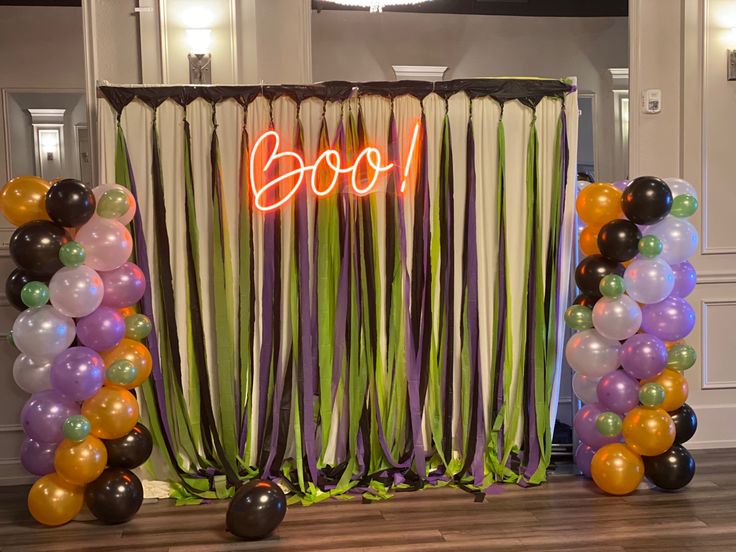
[[675, 388], [616, 469], [125, 312], [589, 240], [598, 204], [134, 351], [80, 463], [670, 344], [23, 199], [648, 431], [54, 501], [112, 412]]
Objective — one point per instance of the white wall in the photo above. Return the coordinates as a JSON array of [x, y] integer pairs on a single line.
[[680, 47], [359, 46]]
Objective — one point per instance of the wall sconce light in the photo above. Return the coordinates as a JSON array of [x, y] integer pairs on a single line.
[[49, 143], [200, 58]]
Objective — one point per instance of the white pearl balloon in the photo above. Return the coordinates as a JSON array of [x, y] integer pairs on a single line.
[[678, 187], [649, 280], [617, 317], [591, 354], [32, 375], [679, 239], [76, 291], [43, 332], [585, 387]]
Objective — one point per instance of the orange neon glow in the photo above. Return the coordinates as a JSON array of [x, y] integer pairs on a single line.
[[330, 159]]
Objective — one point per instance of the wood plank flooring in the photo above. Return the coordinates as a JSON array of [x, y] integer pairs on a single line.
[[565, 514]]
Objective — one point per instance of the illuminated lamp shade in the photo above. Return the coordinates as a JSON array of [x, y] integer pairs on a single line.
[[376, 6], [199, 40]]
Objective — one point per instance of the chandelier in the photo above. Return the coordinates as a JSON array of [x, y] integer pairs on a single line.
[[376, 6]]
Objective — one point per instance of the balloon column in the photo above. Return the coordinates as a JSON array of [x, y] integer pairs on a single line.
[[79, 357], [631, 318]]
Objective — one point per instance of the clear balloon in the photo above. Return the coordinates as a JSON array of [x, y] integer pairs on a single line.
[[643, 356], [591, 354], [583, 457], [44, 414], [585, 387], [679, 239], [107, 243], [99, 191], [669, 320], [76, 291], [78, 373], [618, 318], [649, 280], [618, 392], [685, 279], [123, 286], [43, 332], [585, 426], [101, 330], [37, 457], [32, 375]]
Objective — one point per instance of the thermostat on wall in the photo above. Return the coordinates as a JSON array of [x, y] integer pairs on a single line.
[[651, 101]]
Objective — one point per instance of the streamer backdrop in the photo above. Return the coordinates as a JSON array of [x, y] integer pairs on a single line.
[[350, 343]]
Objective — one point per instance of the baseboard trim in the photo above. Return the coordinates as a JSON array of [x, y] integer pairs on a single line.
[[704, 445]]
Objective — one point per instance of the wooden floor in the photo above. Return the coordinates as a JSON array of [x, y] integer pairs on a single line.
[[565, 514]]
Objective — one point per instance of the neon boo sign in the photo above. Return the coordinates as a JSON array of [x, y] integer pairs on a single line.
[[329, 161]]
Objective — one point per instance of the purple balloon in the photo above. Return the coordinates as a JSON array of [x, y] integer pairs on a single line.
[[124, 286], [102, 330], [669, 320], [618, 392], [37, 457], [685, 279], [643, 356], [583, 457], [621, 184], [585, 427], [44, 413], [78, 373]]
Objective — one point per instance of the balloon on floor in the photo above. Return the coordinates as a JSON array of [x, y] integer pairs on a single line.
[[72, 281], [256, 510], [631, 319]]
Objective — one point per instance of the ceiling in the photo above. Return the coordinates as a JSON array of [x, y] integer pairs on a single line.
[[539, 8]]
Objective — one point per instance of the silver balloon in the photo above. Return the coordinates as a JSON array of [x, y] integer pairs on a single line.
[[649, 280], [43, 332], [32, 375], [76, 291], [585, 387], [678, 187], [591, 354], [679, 239], [617, 317]]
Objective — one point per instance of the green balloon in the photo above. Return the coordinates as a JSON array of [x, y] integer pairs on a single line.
[[684, 206], [34, 294], [9, 337], [121, 372], [651, 394], [681, 357], [113, 204], [76, 428], [608, 424], [137, 326], [72, 254], [579, 317], [612, 286], [650, 246]]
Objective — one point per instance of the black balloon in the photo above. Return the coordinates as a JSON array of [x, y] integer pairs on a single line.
[[618, 240], [592, 270], [115, 496], [70, 203], [686, 423], [35, 247], [131, 450], [585, 300], [256, 510], [14, 285], [672, 470], [646, 200]]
